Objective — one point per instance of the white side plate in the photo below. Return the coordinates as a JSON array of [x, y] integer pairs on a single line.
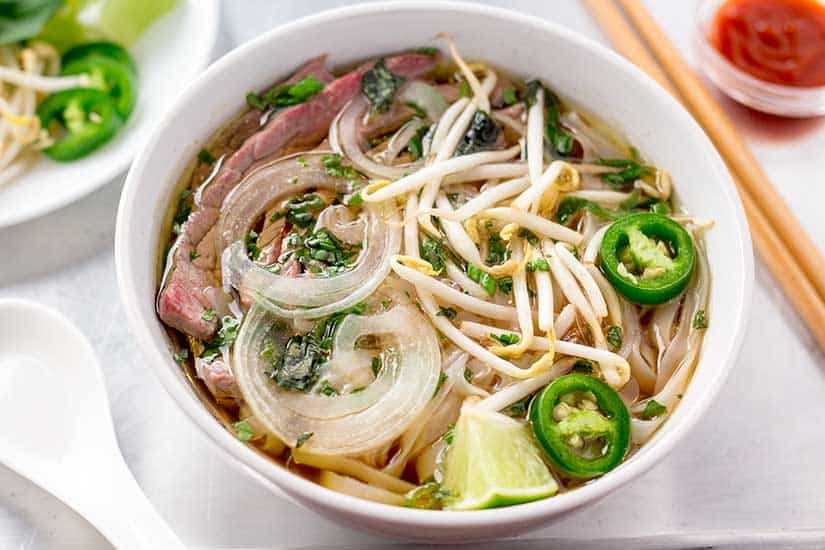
[[169, 56]]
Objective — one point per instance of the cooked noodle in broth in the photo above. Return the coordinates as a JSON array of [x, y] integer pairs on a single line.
[[426, 282]]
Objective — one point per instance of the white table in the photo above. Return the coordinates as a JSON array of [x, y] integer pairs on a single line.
[[755, 462]]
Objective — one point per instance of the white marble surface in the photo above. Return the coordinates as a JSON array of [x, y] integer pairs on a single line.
[[753, 464]]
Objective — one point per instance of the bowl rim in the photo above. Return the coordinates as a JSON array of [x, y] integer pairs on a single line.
[[272, 474]]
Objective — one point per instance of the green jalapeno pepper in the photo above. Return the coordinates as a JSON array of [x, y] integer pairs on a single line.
[[80, 119], [582, 424], [113, 51], [647, 257], [111, 76]]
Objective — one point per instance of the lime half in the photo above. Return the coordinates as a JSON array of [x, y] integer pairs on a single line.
[[492, 462]]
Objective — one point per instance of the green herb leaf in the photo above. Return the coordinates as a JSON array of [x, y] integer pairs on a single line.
[[181, 356], [379, 85], [482, 135], [286, 95], [614, 337], [583, 366], [520, 408], [376, 365], [333, 167], [209, 315], [441, 379], [244, 431], [255, 101], [505, 284], [539, 264], [434, 252], [251, 241], [429, 496], [327, 389], [700, 320], [509, 96], [631, 170], [468, 374], [447, 312], [529, 235], [206, 157], [506, 338], [653, 409], [303, 438], [22, 19], [464, 89], [183, 211], [194, 255], [426, 51], [483, 278]]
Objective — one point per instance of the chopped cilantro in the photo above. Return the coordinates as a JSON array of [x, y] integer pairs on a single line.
[[483, 278], [181, 356], [506, 338], [505, 284], [441, 379], [243, 430], [582, 366], [447, 312], [303, 438], [333, 167], [252, 249], [327, 389], [205, 157], [614, 337], [376, 365], [539, 264], [379, 85], [429, 496], [208, 315], [468, 374], [700, 320], [653, 409], [509, 95]]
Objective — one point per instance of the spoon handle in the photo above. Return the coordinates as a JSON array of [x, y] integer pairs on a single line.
[[115, 504]]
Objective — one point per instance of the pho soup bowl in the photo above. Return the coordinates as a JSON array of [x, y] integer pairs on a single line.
[[581, 71]]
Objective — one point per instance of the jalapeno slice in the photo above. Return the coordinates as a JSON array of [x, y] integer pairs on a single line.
[[113, 51], [80, 119], [111, 76], [582, 424], [647, 257]]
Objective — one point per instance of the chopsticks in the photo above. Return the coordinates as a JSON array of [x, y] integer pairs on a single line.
[[783, 244]]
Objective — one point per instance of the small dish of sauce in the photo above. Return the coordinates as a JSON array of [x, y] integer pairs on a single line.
[[767, 54]]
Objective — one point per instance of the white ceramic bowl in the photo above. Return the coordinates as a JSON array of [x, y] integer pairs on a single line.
[[578, 69]]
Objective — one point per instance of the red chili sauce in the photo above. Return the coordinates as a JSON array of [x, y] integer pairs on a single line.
[[778, 41]]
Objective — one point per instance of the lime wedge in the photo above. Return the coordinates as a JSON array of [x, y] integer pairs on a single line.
[[492, 462], [125, 20]]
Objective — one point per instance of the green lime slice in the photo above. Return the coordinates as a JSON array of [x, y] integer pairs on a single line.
[[493, 462], [125, 20]]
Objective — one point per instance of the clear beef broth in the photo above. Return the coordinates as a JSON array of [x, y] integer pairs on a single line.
[[573, 142]]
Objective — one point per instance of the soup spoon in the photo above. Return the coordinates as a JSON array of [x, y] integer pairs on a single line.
[[60, 435]]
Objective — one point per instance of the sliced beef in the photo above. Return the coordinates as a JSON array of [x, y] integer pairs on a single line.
[[182, 301]]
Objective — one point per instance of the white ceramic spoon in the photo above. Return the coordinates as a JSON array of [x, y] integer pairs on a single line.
[[57, 430]]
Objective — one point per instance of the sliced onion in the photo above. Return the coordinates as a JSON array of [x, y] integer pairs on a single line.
[[338, 219], [400, 140], [305, 296], [349, 141], [426, 97], [347, 424]]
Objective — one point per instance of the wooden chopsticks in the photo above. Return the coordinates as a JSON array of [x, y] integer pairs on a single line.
[[783, 244]]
